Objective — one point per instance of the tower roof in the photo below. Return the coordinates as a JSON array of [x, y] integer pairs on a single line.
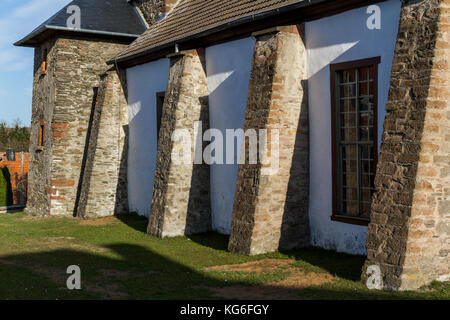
[[110, 18]]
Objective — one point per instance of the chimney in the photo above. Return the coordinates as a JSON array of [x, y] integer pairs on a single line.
[[168, 5], [153, 10]]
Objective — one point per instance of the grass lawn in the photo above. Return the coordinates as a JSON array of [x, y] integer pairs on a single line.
[[119, 261]]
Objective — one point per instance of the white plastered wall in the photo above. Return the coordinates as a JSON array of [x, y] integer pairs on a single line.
[[228, 68], [341, 38], [144, 82]]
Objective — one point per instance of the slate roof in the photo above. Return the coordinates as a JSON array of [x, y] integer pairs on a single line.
[[191, 17], [115, 18]]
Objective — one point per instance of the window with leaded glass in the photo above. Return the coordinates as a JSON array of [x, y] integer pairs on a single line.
[[354, 116]]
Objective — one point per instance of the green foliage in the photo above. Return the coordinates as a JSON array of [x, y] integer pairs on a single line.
[[3, 135], [6, 196], [16, 137]]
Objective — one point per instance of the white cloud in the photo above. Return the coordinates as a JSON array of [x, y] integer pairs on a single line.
[[14, 59]]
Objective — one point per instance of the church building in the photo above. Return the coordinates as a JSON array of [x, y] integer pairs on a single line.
[[351, 99]]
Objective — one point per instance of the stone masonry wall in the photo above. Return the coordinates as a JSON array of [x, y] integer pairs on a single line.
[[104, 174], [77, 69], [409, 233], [271, 210], [181, 201], [44, 95]]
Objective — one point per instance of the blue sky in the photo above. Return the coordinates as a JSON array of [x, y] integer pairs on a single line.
[[17, 19]]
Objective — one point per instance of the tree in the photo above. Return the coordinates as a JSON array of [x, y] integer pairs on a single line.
[[3, 136], [16, 137], [6, 195]]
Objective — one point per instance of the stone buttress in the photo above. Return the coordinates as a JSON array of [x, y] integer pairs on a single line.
[[271, 202], [181, 201], [103, 185], [409, 233]]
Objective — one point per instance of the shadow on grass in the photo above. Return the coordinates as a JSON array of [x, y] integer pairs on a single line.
[[124, 271], [343, 265], [212, 240], [138, 271], [338, 264], [134, 221]]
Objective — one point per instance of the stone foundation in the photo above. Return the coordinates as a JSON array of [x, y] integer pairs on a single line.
[[409, 233], [181, 200], [271, 208]]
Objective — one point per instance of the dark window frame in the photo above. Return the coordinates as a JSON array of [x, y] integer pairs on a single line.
[[160, 99], [41, 135], [44, 63], [334, 69]]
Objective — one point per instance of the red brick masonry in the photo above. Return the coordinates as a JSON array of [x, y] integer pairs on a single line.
[[17, 181]]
